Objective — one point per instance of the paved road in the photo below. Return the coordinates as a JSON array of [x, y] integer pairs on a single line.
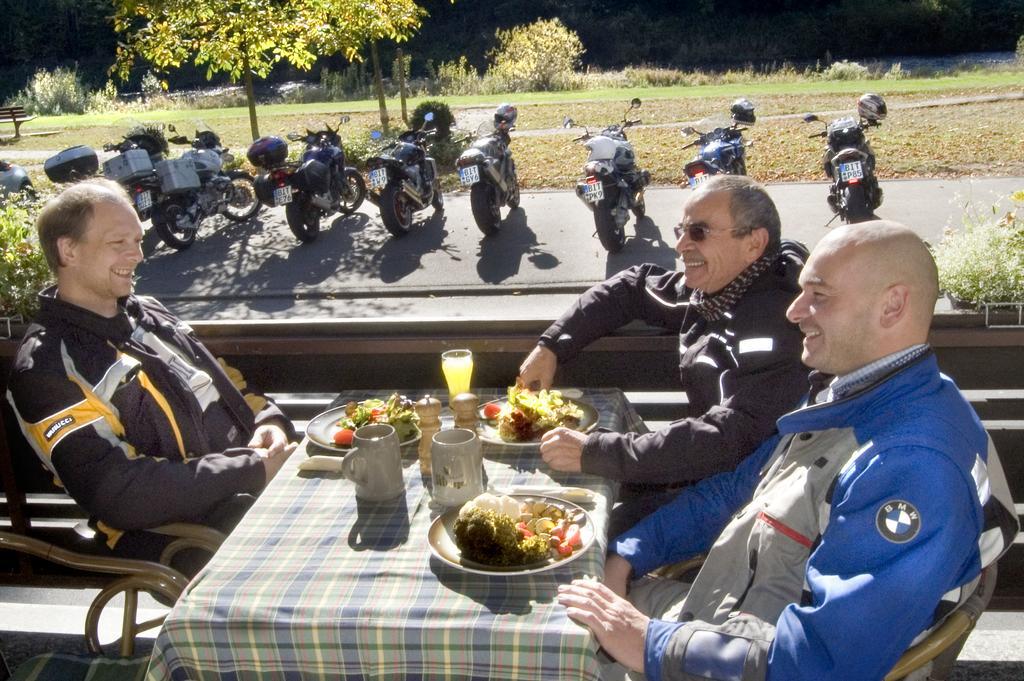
[[446, 267]]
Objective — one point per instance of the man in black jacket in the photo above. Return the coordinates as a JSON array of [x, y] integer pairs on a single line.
[[121, 402], [739, 358]]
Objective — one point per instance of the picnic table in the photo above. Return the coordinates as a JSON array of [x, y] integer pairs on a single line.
[[314, 583]]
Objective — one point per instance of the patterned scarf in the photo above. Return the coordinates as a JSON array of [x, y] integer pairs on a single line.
[[712, 307]]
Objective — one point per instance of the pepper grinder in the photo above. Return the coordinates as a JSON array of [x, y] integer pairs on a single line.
[[464, 405], [429, 411]]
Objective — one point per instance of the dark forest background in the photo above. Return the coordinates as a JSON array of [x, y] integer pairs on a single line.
[[684, 34]]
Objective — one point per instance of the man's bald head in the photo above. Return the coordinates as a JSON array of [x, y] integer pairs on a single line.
[[886, 253], [868, 291]]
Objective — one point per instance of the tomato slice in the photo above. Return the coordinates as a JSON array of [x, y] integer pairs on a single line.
[[524, 530], [564, 549], [343, 437], [572, 536], [491, 411]]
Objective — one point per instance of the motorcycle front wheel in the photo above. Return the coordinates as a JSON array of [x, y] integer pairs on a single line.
[[353, 193], [395, 210], [174, 225], [303, 219], [242, 201], [486, 211], [612, 237], [855, 202], [437, 201]]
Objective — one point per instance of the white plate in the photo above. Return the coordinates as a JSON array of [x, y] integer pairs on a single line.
[[321, 430], [441, 537], [378, 178], [488, 428], [593, 191], [283, 195], [469, 175]]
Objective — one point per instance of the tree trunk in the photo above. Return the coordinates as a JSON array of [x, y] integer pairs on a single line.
[[401, 84], [378, 83], [250, 96]]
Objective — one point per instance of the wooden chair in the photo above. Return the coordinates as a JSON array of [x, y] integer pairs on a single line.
[[933, 658]]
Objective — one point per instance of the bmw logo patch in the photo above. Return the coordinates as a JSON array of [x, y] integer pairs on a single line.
[[898, 521]]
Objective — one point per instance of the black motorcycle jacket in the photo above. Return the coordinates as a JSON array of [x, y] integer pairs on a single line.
[[133, 415], [739, 373]]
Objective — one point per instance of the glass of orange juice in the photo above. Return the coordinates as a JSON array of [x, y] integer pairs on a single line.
[[457, 366]]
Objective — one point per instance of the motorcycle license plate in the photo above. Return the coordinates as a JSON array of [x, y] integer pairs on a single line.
[[378, 178], [593, 191], [144, 200], [699, 179], [283, 195], [851, 171], [469, 175]]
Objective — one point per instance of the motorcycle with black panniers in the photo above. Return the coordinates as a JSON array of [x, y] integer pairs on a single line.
[[489, 171], [720, 144], [133, 167], [312, 188], [404, 179], [612, 184], [849, 161]]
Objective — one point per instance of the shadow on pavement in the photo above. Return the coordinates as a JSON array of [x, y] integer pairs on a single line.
[[501, 254], [652, 244]]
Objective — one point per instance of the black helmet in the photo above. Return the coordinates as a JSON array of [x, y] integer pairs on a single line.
[[742, 111], [871, 107], [505, 116]]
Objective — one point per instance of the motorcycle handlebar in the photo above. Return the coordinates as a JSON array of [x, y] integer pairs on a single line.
[[817, 134]]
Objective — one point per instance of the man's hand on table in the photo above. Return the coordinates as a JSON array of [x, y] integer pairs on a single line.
[[562, 449], [271, 442], [538, 369], [620, 628], [271, 437]]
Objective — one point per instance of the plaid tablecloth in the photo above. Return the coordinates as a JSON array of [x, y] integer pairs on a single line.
[[314, 584]]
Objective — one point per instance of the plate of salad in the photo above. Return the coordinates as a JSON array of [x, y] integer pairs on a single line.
[[525, 415], [334, 428]]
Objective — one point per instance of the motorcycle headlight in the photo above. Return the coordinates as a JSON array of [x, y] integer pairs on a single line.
[[470, 157]]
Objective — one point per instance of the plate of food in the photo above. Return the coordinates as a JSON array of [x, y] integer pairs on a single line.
[[517, 534], [333, 429], [521, 418]]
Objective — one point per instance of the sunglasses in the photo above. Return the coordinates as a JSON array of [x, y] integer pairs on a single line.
[[697, 232]]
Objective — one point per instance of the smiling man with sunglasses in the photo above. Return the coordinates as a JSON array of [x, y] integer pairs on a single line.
[[739, 358]]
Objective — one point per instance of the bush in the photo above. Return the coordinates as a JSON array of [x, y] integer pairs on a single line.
[[54, 93], [443, 118], [543, 55], [104, 99], [845, 70], [895, 72], [23, 268], [984, 262], [456, 77], [650, 76], [354, 82]]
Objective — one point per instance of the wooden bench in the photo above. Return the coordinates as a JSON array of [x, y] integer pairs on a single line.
[[16, 115]]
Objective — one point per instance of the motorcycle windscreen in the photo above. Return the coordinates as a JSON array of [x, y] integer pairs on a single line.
[[312, 177]]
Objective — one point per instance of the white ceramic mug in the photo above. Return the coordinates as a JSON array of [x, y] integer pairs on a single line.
[[374, 463], [457, 466]]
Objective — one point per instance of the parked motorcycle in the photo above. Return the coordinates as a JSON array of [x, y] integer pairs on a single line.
[[316, 186], [488, 169], [403, 179], [850, 163], [134, 167], [720, 148], [612, 184], [195, 186], [14, 179]]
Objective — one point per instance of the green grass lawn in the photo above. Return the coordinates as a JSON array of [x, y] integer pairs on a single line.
[[915, 141]]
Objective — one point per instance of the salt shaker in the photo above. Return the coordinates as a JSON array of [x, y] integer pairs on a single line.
[[464, 405], [429, 411]]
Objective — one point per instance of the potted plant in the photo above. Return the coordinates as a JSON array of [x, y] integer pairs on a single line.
[[23, 268], [984, 261]]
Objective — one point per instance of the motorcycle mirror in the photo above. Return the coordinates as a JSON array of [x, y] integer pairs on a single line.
[[345, 119], [294, 136], [567, 122], [429, 117], [810, 118], [688, 130], [170, 126], [178, 139], [376, 134], [634, 103]]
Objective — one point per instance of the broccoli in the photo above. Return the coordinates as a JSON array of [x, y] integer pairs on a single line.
[[491, 538]]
